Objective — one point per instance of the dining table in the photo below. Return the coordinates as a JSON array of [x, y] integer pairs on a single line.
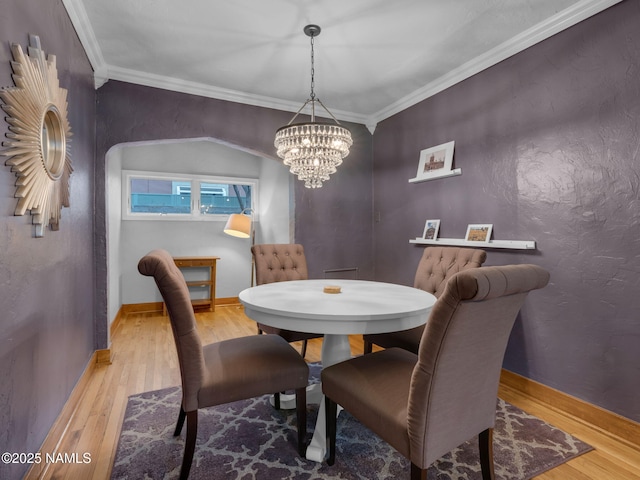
[[336, 309]]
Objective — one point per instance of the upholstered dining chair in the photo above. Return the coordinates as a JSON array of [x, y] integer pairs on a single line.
[[436, 266], [226, 371], [427, 404], [280, 262]]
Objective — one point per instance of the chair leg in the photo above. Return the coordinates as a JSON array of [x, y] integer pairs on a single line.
[[303, 352], [331, 414], [276, 400], [181, 416], [485, 441], [368, 347], [418, 473], [301, 419], [189, 444]]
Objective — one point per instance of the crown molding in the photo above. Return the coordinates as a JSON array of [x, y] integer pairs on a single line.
[[80, 20], [559, 22], [203, 90], [104, 72]]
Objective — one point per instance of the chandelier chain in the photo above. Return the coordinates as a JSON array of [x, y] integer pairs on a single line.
[[313, 71]]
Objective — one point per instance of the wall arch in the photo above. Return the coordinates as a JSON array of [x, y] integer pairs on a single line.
[[128, 240]]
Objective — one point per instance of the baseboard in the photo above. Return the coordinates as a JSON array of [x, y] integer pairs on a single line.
[[611, 424], [157, 307], [227, 301], [114, 324], [103, 356], [139, 308], [65, 418]]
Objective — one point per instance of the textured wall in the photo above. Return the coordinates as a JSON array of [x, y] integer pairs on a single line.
[[324, 218], [46, 297], [548, 142]]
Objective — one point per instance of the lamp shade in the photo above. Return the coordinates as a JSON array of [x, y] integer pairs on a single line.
[[238, 225]]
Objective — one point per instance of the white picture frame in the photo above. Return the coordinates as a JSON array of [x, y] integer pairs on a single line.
[[479, 232], [435, 161], [431, 228]]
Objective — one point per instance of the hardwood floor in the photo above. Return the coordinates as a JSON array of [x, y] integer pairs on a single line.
[[143, 358]]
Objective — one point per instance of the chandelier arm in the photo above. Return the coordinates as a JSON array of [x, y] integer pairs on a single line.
[[298, 112], [328, 111]]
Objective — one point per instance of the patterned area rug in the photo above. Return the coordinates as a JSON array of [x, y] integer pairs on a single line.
[[251, 440]]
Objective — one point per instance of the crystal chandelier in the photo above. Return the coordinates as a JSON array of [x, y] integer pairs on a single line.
[[313, 150]]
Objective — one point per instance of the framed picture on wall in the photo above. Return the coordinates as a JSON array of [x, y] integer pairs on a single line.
[[479, 232], [431, 228], [435, 161]]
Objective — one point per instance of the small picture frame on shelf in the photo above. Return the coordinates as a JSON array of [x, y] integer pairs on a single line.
[[431, 228], [479, 232], [435, 161]]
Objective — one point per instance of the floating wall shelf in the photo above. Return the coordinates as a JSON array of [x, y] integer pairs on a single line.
[[433, 176], [510, 244]]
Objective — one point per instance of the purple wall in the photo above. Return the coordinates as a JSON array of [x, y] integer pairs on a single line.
[[324, 217], [548, 142], [46, 298]]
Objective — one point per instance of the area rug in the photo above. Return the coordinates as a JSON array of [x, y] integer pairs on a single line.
[[251, 440]]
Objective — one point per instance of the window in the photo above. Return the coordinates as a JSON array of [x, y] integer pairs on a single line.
[[149, 196], [157, 196], [225, 198]]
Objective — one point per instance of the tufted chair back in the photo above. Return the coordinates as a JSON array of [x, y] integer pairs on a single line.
[[279, 262], [438, 264]]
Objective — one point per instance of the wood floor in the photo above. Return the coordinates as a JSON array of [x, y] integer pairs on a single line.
[[144, 358]]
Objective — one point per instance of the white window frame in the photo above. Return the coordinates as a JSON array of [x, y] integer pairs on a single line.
[[195, 181]]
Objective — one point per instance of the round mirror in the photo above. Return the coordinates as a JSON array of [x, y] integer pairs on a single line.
[[52, 143]]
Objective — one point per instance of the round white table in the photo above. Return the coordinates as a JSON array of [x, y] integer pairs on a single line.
[[360, 307]]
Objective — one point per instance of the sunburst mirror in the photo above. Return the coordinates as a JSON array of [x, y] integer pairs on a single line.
[[38, 137]]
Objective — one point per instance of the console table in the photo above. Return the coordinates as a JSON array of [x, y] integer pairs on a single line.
[[210, 282]]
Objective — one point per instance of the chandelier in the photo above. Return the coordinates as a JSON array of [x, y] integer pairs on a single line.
[[313, 150]]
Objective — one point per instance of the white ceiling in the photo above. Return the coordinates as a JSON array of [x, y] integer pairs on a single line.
[[373, 58]]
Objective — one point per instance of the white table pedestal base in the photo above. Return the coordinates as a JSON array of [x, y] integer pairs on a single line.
[[288, 400], [335, 349]]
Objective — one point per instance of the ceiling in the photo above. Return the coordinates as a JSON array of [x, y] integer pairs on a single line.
[[373, 58]]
